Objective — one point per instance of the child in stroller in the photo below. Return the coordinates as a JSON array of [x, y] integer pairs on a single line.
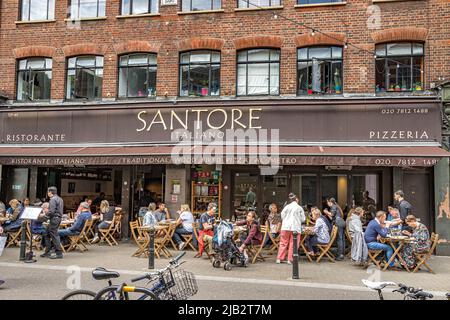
[[225, 249]]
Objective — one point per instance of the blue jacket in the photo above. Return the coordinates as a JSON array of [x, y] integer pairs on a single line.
[[79, 222], [373, 230]]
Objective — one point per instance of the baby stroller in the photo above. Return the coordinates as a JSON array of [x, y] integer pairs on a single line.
[[225, 249]]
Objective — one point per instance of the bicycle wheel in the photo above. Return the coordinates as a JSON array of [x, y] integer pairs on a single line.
[[80, 295], [138, 293]]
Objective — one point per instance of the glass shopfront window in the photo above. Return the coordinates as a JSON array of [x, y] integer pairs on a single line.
[[305, 186], [334, 186]]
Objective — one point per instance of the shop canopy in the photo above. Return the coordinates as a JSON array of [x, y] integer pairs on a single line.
[[413, 156]]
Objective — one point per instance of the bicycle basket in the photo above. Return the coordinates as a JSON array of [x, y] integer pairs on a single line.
[[184, 286]]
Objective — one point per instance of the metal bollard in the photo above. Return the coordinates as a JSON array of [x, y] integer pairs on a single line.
[[23, 241], [151, 249], [295, 271]]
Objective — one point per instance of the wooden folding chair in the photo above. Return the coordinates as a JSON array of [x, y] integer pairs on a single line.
[[14, 238], [195, 226], [424, 256], [36, 240], [161, 241], [349, 238], [187, 239], [325, 248], [373, 256], [108, 234], [139, 238], [77, 241], [275, 243], [255, 250], [171, 231]]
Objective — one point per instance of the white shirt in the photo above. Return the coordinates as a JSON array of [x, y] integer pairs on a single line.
[[187, 219], [292, 217]]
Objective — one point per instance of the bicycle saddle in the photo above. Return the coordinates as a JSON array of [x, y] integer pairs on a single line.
[[377, 285], [103, 274]]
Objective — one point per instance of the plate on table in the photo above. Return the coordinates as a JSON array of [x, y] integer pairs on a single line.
[[399, 237]]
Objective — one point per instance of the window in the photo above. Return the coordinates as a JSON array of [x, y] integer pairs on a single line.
[[84, 77], [258, 72], [258, 3], [200, 5], [32, 10], [319, 70], [80, 9], [399, 67], [200, 73], [137, 75], [130, 7], [34, 77], [318, 1]]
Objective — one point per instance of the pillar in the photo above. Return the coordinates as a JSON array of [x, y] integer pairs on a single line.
[[442, 206], [397, 179], [175, 174], [125, 200], [32, 189]]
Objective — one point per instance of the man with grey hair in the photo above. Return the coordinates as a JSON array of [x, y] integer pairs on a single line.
[[78, 225], [54, 214], [206, 229]]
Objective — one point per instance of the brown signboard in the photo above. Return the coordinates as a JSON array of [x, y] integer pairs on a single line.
[[153, 123], [237, 160]]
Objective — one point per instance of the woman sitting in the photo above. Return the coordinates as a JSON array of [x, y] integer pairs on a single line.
[[149, 218], [254, 235], [422, 243], [106, 218], [319, 234]]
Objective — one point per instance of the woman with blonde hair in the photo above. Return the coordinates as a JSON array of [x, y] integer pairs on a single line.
[[184, 225], [106, 218]]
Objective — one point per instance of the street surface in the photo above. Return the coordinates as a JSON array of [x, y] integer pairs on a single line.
[[52, 279]]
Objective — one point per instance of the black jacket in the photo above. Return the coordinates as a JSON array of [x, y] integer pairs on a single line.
[[56, 207]]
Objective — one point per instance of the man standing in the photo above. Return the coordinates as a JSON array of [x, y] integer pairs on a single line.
[[250, 198], [403, 206], [55, 212]]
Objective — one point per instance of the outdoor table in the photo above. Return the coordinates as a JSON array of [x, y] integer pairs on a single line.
[[66, 223], [305, 233], [3, 220], [397, 244], [146, 229], [172, 224]]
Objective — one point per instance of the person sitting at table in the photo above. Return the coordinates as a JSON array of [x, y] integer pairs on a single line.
[[2, 209], [184, 225], [354, 222], [162, 213], [393, 220], [149, 218], [14, 213], [206, 229], [319, 234], [253, 236], [88, 201], [78, 225], [376, 229], [274, 219], [106, 218], [422, 244]]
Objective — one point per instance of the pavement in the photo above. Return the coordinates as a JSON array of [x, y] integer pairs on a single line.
[[52, 279]]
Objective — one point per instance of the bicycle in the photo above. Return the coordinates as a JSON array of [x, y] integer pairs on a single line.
[[409, 293], [166, 284]]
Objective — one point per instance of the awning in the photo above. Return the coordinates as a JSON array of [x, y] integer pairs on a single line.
[[420, 156]]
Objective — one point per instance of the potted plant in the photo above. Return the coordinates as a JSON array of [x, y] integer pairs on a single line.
[[391, 87], [204, 89], [418, 86], [397, 88], [337, 82]]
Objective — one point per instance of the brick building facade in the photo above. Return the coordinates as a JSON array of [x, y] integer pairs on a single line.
[[352, 134]]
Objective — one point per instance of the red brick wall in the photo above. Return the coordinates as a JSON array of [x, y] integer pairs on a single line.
[[169, 33]]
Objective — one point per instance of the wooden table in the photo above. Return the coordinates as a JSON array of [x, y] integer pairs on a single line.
[[397, 244], [165, 229]]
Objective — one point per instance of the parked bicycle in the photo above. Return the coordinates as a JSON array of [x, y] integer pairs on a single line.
[[164, 284], [409, 293]]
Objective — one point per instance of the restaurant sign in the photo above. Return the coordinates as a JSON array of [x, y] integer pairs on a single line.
[[282, 160], [158, 123]]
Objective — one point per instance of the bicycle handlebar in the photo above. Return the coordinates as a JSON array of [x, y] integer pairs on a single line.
[[151, 275], [423, 295], [177, 258]]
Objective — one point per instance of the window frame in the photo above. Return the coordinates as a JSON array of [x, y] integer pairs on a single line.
[[29, 11], [150, 2], [127, 67], [268, 6], [326, 59], [210, 64], [257, 62], [67, 75], [190, 6], [411, 56], [29, 70], [298, 2], [69, 13]]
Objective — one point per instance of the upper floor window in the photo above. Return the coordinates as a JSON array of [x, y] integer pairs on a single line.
[[137, 75], [200, 5], [258, 72], [399, 66], [318, 1], [258, 3], [84, 77], [33, 10], [80, 9], [200, 73], [130, 7], [319, 70], [34, 77]]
